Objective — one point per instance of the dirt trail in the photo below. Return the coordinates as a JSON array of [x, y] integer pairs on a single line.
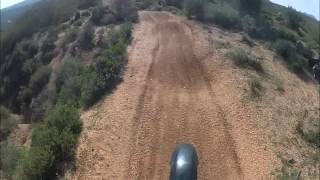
[[171, 94]]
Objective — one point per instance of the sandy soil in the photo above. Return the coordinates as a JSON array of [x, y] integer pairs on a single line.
[[176, 89]]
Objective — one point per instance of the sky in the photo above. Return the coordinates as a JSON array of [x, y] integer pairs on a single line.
[[308, 6], [7, 3]]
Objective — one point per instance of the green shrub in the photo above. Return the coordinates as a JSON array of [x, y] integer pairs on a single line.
[[91, 89], [223, 15], [39, 79], [49, 43], [287, 172], [176, 3], [70, 36], [285, 33], [311, 136], [294, 19], [85, 4], [256, 88], [107, 19], [194, 8], [37, 163], [97, 15], [61, 127], [251, 6], [9, 158], [86, 36], [82, 86], [66, 71], [30, 66], [244, 59], [53, 142], [70, 92], [7, 123], [124, 10], [105, 73], [285, 49], [262, 29], [295, 62], [145, 4]]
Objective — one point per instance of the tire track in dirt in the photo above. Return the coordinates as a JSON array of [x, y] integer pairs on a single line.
[[168, 96], [174, 71]]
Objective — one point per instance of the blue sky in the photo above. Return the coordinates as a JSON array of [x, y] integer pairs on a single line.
[[7, 3], [308, 6]]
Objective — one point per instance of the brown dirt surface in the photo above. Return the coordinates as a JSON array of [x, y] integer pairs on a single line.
[[176, 89]]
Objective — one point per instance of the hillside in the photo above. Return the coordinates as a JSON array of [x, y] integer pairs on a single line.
[[181, 86], [84, 98], [10, 14]]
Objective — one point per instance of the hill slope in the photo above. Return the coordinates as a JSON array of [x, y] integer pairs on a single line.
[[236, 80], [176, 89], [10, 14]]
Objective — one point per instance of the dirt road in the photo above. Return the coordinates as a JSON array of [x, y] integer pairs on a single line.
[[171, 93]]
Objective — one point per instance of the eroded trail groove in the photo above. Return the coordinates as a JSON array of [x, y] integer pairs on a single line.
[[169, 95]]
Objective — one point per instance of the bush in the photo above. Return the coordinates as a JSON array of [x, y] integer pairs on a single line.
[[176, 3], [256, 88], [30, 65], [294, 19], [251, 6], [285, 49], [261, 29], [295, 62], [97, 15], [105, 73], [39, 79], [287, 172], [285, 33], [124, 10], [7, 123], [145, 4], [92, 89], [107, 19], [71, 92], [86, 36], [53, 142], [61, 127], [70, 36], [243, 59], [49, 43], [195, 8], [311, 136], [67, 71], [9, 158], [37, 163], [223, 15], [85, 4]]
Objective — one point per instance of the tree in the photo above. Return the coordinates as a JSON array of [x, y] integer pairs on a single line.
[[294, 19], [251, 6], [195, 8], [124, 10]]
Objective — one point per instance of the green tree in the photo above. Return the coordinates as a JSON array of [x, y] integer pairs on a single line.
[[251, 6], [294, 19], [195, 8]]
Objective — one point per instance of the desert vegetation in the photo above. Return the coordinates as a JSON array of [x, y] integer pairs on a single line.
[[63, 56], [244, 59], [48, 96]]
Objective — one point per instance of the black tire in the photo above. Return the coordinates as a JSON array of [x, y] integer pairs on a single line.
[[184, 163]]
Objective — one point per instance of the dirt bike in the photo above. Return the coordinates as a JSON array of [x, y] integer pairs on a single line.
[[184, 163]]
